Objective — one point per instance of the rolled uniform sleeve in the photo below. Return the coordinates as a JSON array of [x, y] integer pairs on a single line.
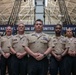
[[67, 44], [50, 43], [25, 42]]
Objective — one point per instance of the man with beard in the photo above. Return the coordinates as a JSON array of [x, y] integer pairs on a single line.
[[58, 58]]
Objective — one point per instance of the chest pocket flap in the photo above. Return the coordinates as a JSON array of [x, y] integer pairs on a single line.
[[55, 41], [3, 39], [32, 41], [44, 41], [15, 41]]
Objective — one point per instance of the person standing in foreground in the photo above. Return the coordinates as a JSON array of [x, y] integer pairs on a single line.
[[71, 46], [0, 55], [39, 46], [19, 55], [5, 51], [0, 63], [58, 58]]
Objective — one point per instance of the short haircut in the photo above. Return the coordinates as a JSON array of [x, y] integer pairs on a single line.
[[71, 30], [8, 26], [21, 23], [58, 25], [38, 20]]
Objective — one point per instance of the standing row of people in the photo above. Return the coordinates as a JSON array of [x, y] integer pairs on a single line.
[[28, 53]]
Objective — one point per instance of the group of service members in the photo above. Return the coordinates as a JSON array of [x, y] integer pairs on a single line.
[[28, 53]]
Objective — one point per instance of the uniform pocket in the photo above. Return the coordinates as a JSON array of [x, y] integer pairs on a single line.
[[32, 41], [15, 41], [44, 41], [55, 43]]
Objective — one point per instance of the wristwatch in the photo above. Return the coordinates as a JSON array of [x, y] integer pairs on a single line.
[[44, 55]]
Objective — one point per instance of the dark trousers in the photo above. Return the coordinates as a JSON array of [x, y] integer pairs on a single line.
[[71, 65], [19, 66], [0, 65], [5, 62], [56, 66], [37, 67]]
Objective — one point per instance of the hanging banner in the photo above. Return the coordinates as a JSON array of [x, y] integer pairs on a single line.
[[45, 28]]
